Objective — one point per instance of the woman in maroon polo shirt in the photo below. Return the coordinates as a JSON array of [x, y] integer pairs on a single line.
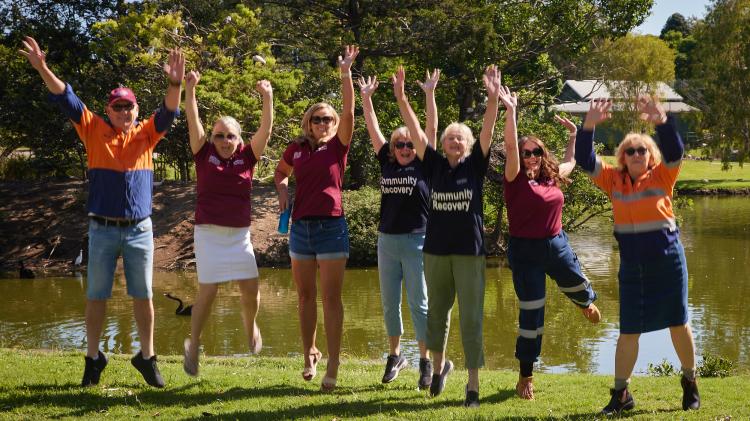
[[223, 249], [538, 246], [319, 237]]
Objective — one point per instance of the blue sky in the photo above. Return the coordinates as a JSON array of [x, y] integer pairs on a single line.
[[663, 9]]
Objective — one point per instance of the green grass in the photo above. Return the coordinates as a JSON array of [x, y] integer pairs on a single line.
[[708, 175], [43, 384]]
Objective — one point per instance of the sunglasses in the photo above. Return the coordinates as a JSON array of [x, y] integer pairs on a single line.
[[123, 107], [631, 151], [221, 136], [537, 152], [402, 145], [316, 119]]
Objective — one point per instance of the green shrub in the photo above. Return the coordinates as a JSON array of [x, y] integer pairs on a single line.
[[663, 369], [17, 168], [714, 366], [362, 208]]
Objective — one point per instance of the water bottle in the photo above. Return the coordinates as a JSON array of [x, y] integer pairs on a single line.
[[284, 220]]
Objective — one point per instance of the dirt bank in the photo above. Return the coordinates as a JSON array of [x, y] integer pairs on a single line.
[[45, 224]]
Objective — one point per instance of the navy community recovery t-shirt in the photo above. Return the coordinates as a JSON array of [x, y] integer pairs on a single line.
[[403, 196], [455, 224]]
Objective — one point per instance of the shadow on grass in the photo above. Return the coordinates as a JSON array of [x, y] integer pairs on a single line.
[[369, 401]]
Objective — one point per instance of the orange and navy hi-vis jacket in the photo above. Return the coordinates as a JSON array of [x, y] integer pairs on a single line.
[[120, 165], [645, 224]]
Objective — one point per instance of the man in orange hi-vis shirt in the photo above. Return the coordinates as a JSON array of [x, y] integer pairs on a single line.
[[120, 173]]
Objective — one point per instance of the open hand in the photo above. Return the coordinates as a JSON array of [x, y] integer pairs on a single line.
[[398, 82], [368, 86], [509, 99], [264, 88], [651, 110], [430, 81], [345, 62], [492, 81], [598, 112], [33, 53], [572, 129], [174, 68]]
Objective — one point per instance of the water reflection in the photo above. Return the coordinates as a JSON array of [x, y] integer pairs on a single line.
[[48, 312]]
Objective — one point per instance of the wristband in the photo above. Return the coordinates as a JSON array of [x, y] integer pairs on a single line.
[[347, 75], [174, 83]]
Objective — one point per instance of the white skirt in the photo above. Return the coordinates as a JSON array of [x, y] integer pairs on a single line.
[[224, 254]]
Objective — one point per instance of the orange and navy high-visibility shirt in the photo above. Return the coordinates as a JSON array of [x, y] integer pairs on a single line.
[[645, 224], [120, 165]]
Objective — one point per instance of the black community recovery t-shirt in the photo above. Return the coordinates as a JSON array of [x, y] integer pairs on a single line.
[[455, 224], [403, 196]]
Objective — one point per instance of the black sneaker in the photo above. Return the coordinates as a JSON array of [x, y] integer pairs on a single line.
[[93, 370], [393, 365], [472, 398], [690, 397], [148, 369], [425, 373], [438, 380], [621, 400]]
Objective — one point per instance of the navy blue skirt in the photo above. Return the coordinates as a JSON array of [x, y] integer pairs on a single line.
[[653, 293]]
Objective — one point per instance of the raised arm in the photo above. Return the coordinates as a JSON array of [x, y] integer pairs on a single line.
[[670, 142], [407, 114], [367, 87], [584, 148], [346, 125], [174, 68], [510, 133], [431, 125], [196, 133], [569, 161], [260, 138], [492, 83], [38, 61]]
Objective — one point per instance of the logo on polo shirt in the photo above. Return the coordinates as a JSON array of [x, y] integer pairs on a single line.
[[238, 162], [297, 155], [462, 181], [454, 201]]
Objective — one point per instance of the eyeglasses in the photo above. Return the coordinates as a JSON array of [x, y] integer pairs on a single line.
[[316, 119], [402, 145], [123, 107], [631, 151], [537, 152], [221, 136]]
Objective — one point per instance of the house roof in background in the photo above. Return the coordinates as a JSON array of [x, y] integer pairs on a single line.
[[590, 88]]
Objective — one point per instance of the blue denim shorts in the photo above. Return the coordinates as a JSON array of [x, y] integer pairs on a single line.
[[136, 246], [321, 239]]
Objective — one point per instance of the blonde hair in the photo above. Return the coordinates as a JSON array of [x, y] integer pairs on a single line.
[[465, 132], [631, 138], [400, 132], [307, 133]]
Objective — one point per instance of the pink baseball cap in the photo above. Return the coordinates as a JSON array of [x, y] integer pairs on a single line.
[[121, 94]]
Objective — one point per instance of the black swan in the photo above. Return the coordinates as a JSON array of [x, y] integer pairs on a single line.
[[181, 311]]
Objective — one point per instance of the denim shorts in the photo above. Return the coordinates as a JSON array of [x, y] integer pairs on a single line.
[[136, 246], [321, 239]]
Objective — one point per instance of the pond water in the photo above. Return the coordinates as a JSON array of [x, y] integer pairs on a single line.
[[48, 312]]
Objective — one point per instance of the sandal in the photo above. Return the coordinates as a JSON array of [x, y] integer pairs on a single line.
[[592, 313], [328, 384], [309, 373], [525, 388], [189, 364]]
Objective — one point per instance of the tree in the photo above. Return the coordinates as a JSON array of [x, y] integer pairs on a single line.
[[721, 77], [632, 66], [677, 23]]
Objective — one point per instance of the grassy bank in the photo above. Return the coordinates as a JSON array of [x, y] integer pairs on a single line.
[[39, 384]]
